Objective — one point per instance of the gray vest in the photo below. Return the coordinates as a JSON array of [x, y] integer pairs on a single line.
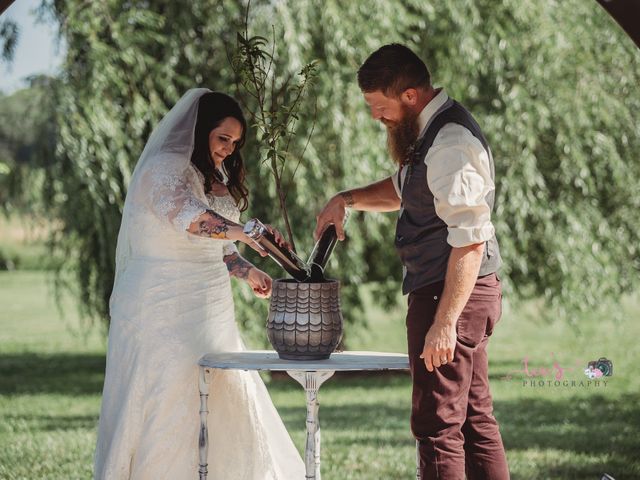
[[421, 236]]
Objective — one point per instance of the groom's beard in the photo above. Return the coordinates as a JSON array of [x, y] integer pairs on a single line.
[[401, 136]]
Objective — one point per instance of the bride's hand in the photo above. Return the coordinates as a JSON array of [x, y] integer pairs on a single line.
[[248, 241], [259, 282], [278, 236]]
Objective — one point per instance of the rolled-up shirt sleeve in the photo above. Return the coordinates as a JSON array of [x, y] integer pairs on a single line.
[[459, 176], [394, 180]]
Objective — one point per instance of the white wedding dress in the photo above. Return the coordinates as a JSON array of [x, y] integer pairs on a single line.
[[172, 303]]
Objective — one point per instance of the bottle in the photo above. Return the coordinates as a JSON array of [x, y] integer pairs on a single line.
[[321, 253], [284, 257]]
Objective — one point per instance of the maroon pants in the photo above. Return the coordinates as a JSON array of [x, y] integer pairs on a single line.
[[452, 410]]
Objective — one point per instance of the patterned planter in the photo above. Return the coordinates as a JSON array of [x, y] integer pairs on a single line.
[[305, 320]]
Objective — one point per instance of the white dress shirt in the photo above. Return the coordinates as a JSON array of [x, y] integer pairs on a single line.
[[459, 176]]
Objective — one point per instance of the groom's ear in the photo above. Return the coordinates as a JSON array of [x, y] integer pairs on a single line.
[[409, 97]]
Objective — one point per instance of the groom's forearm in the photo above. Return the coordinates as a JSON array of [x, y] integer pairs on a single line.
[[462, 272], [238, 267], [377, 197], [380, 196]]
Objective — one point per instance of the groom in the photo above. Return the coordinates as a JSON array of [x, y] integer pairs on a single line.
[[444, 190]]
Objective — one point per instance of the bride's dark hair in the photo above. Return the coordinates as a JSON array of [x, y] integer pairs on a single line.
[[213, 108]]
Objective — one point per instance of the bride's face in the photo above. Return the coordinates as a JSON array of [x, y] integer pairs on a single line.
[[223, 139]]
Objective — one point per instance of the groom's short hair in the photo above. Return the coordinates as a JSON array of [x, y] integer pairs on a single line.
[[392, 69]]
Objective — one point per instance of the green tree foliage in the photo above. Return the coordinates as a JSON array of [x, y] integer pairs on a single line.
[[278, 106], [8, 39], [554, 84], [28, 135], [556, 87]]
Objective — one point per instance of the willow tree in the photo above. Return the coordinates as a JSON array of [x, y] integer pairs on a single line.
[[555, 86]]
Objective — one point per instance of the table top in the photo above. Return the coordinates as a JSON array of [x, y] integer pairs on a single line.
[[269, 360]]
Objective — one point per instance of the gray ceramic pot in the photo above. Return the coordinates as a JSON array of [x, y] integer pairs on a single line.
[[305, 321]]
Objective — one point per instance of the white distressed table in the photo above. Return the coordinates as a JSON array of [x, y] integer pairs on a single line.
[[310, 374]]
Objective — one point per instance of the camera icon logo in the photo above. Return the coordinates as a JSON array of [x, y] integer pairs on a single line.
[[599, 368]]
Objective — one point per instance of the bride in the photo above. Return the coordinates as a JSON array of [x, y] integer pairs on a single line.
[[172, 303]]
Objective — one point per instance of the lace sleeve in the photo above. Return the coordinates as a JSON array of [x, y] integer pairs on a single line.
[[229, 248], [170, 194]]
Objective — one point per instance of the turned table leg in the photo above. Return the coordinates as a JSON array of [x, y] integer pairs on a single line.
[[203, 441], [311, 382]]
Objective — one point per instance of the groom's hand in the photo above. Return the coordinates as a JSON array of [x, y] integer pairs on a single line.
[[439, 345], [334, 213]]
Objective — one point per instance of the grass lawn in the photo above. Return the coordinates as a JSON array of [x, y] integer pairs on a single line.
[[51, 379]]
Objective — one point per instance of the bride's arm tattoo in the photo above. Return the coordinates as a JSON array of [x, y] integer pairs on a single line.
[[214, 226], [238, 267]]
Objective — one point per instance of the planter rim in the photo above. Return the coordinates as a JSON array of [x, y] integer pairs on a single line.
[[294, 281]]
